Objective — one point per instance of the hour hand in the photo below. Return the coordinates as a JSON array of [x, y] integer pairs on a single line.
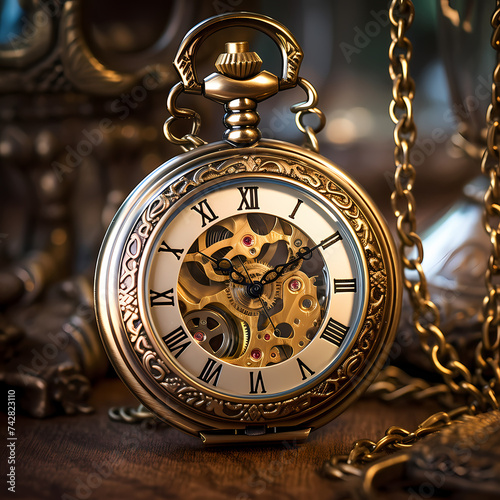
[[226, 267]]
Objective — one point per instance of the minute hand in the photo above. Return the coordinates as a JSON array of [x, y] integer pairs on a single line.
[[304, 253]]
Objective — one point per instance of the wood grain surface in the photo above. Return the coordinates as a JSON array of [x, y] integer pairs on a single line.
[[91, 457]]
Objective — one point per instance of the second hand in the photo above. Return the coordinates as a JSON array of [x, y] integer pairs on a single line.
[[276, 331]]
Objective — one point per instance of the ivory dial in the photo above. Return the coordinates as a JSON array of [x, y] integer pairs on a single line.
[[254, 287]]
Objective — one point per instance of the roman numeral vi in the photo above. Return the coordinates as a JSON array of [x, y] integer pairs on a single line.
[[254, 384]]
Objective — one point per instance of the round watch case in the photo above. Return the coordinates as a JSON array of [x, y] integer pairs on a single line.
[[182, 396]]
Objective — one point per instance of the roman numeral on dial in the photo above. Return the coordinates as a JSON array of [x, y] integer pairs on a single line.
[[211, 372], [256, 382], [165, 298], [348, 285], [334, 332], [177, 341], [176, 251], [206, 212], [249, 198], [303, 368], [328, 242]]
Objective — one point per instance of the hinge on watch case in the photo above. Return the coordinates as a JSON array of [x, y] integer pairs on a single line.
[[254, 434]]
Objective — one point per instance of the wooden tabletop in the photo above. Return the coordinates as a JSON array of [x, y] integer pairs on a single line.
[[89, 456]]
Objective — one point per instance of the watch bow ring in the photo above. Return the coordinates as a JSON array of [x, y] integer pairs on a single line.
[[247, 290]]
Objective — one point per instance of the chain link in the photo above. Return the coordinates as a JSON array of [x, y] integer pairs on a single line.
[[187, 141], [395, 438], [482, 388], [393, 384], [192, 140], [130, 415], [308, 107]]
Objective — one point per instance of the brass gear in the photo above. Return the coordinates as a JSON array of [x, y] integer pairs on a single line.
[[217, 333]]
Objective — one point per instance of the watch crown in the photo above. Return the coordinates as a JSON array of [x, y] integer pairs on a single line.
[[237, 62]]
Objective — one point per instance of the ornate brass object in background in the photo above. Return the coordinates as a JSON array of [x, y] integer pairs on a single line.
[[63, 142], [459, 461]]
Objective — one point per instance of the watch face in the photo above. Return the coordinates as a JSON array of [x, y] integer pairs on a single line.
[[242, 286], [253, 287]]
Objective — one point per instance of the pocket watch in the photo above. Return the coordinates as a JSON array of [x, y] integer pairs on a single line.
[[247, 290]]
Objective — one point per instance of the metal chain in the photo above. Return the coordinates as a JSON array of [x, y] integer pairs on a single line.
[[426, 317], [130, 415], [458, 378], [487, 352], [393, 384], [395, 438]]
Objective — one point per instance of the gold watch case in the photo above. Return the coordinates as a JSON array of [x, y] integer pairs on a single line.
[[133, 335]]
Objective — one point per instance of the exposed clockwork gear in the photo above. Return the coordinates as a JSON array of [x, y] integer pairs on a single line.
[[217, 333], [229, 319]]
